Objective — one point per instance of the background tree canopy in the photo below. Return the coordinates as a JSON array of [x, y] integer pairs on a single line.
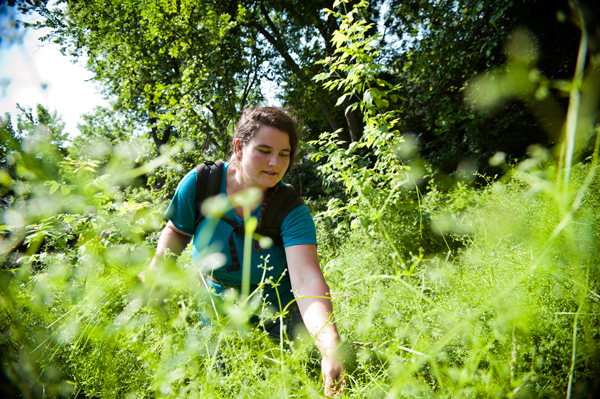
[[185, 69], [446, 281]]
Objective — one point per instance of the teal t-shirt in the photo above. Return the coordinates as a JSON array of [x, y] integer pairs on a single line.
[[298, 228]]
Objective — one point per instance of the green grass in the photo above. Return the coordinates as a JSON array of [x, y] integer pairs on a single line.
[[493, 317]]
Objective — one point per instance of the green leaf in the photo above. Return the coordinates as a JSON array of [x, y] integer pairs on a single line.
[[53, 187], [368, 98], [341, 100], [351, 107], [339, 39], [370, 140]]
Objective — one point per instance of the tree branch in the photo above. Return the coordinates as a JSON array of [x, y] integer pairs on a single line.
[[265, 14], [279, 46]]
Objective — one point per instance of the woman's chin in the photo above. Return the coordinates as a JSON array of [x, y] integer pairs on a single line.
[[271, 184], [268, 180]]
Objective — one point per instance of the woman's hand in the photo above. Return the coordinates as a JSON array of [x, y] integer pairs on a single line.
[[334, 380], [170, 238], [142, 276]]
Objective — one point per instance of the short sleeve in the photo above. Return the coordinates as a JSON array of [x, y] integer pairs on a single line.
[[298, 228], [182, 209]]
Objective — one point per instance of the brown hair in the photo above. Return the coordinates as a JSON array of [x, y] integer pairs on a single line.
[[250, 121]]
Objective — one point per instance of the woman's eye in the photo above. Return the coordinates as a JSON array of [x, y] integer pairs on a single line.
[[285, 155], [263, 151]]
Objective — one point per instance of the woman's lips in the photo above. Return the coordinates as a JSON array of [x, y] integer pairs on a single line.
[[270, 173]]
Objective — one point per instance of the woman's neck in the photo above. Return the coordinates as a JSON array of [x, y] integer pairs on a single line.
[[235, 183]]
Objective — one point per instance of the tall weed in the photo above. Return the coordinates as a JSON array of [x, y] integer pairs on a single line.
[[514, 309], [460, 293]]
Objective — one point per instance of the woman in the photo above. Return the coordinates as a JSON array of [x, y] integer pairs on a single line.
[[263, 149]]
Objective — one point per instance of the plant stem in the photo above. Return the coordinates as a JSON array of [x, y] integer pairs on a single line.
[[247, 262], [213, 358], [574, 103], [513, 360], [574, 356], [420, 211], [583, 190]]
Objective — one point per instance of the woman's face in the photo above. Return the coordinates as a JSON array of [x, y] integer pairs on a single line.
[[266, 157]]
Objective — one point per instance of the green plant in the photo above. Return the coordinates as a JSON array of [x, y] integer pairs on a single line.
[[487, 319]]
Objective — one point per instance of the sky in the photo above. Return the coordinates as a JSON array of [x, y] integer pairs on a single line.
[[39, 73]]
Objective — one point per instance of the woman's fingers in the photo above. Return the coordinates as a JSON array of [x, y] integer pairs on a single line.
[[333, 377], [334, 386]]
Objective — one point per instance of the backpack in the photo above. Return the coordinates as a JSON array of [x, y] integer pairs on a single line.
[[208, 184]]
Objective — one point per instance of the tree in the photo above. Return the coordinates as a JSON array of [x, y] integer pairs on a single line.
[[100, 132], [30, 152], [10, 25], [9, 143], [45, 125], [185, 69], [189, 68], [308, 39], [453, 40], [173, 66]]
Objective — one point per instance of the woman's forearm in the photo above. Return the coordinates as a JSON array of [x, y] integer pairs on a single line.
[[317, 314], [312, 294]]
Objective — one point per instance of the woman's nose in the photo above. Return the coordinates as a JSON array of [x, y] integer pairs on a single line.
[[274, 159]]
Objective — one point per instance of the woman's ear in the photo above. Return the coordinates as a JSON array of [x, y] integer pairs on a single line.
[[238, 148]]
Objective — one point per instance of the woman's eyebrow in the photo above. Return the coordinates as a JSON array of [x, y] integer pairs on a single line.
[[270, 148]]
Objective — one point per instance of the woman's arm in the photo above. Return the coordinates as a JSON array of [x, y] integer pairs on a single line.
[[170, 238], [317, 313]]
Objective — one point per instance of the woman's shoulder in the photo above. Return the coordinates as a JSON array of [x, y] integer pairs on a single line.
[[187, 182], [191, 176], [298, 227], [298, 218]]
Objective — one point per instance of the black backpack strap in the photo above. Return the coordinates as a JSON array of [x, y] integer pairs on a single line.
[[208, 184], [239, 229], [285, 200]]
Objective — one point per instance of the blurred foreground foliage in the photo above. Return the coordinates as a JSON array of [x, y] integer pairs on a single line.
[[493, 304], [441, 289]]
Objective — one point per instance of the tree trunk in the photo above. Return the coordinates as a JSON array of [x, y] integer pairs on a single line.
[[158, 141], [355, 126]]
